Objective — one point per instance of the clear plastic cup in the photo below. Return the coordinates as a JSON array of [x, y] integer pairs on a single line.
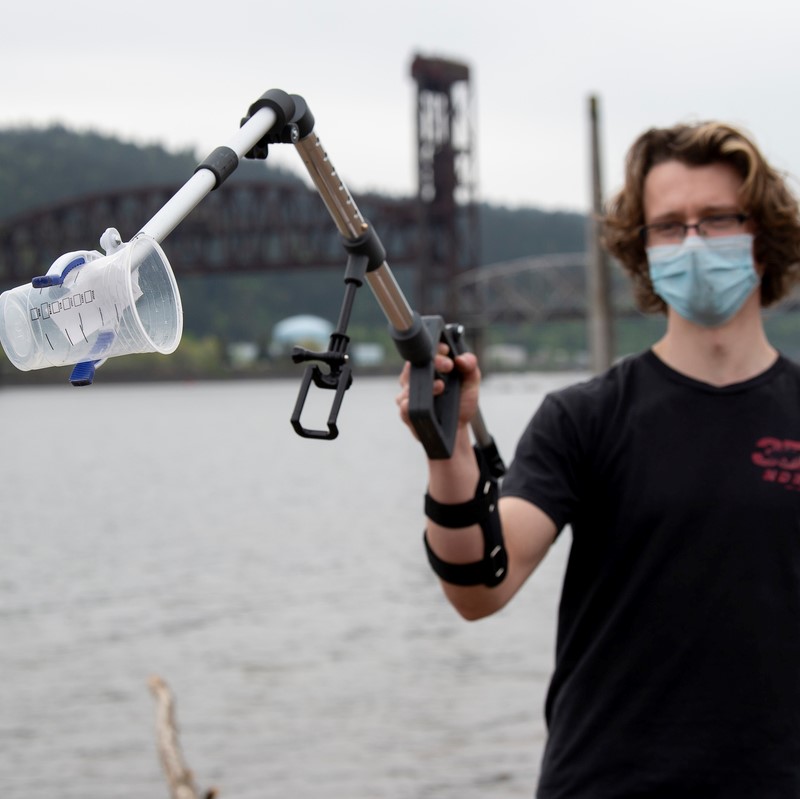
[[117, 304]]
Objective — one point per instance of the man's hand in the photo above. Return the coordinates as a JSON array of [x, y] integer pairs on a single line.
[[467, 364]]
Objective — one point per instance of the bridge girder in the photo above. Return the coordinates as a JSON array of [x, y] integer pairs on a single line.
[[243, 227]]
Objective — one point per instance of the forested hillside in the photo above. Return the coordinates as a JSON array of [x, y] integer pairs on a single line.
[[41, 167], [44, 167]]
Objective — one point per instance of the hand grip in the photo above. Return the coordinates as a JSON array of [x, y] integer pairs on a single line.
[[435, 419]]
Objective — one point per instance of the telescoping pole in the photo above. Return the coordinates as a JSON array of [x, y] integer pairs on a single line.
[[352, 225], [416, 338]]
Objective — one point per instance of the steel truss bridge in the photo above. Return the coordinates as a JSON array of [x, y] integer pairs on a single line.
[[252, 226], [245, 227]]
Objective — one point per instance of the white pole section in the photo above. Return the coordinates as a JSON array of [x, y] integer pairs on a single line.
[[183, 202]]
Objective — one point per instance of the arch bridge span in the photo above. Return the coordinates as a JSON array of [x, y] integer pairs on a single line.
[[541, 288], [550, 288]]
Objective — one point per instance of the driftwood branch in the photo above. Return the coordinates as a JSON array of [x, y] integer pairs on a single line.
[[179, 776]]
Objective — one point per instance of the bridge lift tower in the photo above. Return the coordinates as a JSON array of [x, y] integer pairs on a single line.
[[446, 187]]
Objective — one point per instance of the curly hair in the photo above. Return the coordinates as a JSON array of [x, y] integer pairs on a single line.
[[763, 194]]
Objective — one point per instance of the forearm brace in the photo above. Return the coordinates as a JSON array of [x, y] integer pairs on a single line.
[[481, 510]]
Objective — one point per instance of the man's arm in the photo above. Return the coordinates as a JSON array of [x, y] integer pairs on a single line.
[[528, 532]]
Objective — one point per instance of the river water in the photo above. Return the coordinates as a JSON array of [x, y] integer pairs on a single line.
[[277, 584]]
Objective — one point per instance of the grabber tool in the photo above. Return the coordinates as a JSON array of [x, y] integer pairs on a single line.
[[416, 337]]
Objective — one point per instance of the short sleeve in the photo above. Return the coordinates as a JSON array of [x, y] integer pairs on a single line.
[[546, 468]]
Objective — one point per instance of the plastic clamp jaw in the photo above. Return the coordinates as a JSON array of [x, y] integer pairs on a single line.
[[45, 281], [83, 373]]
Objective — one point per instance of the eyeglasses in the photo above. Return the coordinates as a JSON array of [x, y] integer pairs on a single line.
[[707, 227]]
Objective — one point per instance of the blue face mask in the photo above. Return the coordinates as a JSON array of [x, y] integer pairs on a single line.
[[706, 280]]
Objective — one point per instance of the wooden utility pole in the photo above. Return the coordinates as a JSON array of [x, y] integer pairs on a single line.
[[600, 312]]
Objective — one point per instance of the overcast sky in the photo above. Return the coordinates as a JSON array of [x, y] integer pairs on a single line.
[[182, 74]]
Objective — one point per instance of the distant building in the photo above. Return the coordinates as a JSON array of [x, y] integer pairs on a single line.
[[368, 353], [311, 332], [242, 353], [506, 356]]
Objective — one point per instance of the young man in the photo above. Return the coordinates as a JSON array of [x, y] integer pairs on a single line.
[[678, 471]]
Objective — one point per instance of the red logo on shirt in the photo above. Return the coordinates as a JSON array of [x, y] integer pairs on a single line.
[[780, 460]]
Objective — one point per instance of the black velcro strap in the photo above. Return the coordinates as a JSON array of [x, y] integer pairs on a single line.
[[490, 571], [464, 514]]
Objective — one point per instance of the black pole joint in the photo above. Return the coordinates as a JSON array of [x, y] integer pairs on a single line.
[[293, 121], [367, 246]]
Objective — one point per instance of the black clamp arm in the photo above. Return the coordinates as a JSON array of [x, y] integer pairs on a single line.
[[364, 254]]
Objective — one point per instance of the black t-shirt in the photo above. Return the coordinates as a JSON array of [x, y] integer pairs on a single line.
[[678, 654]]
